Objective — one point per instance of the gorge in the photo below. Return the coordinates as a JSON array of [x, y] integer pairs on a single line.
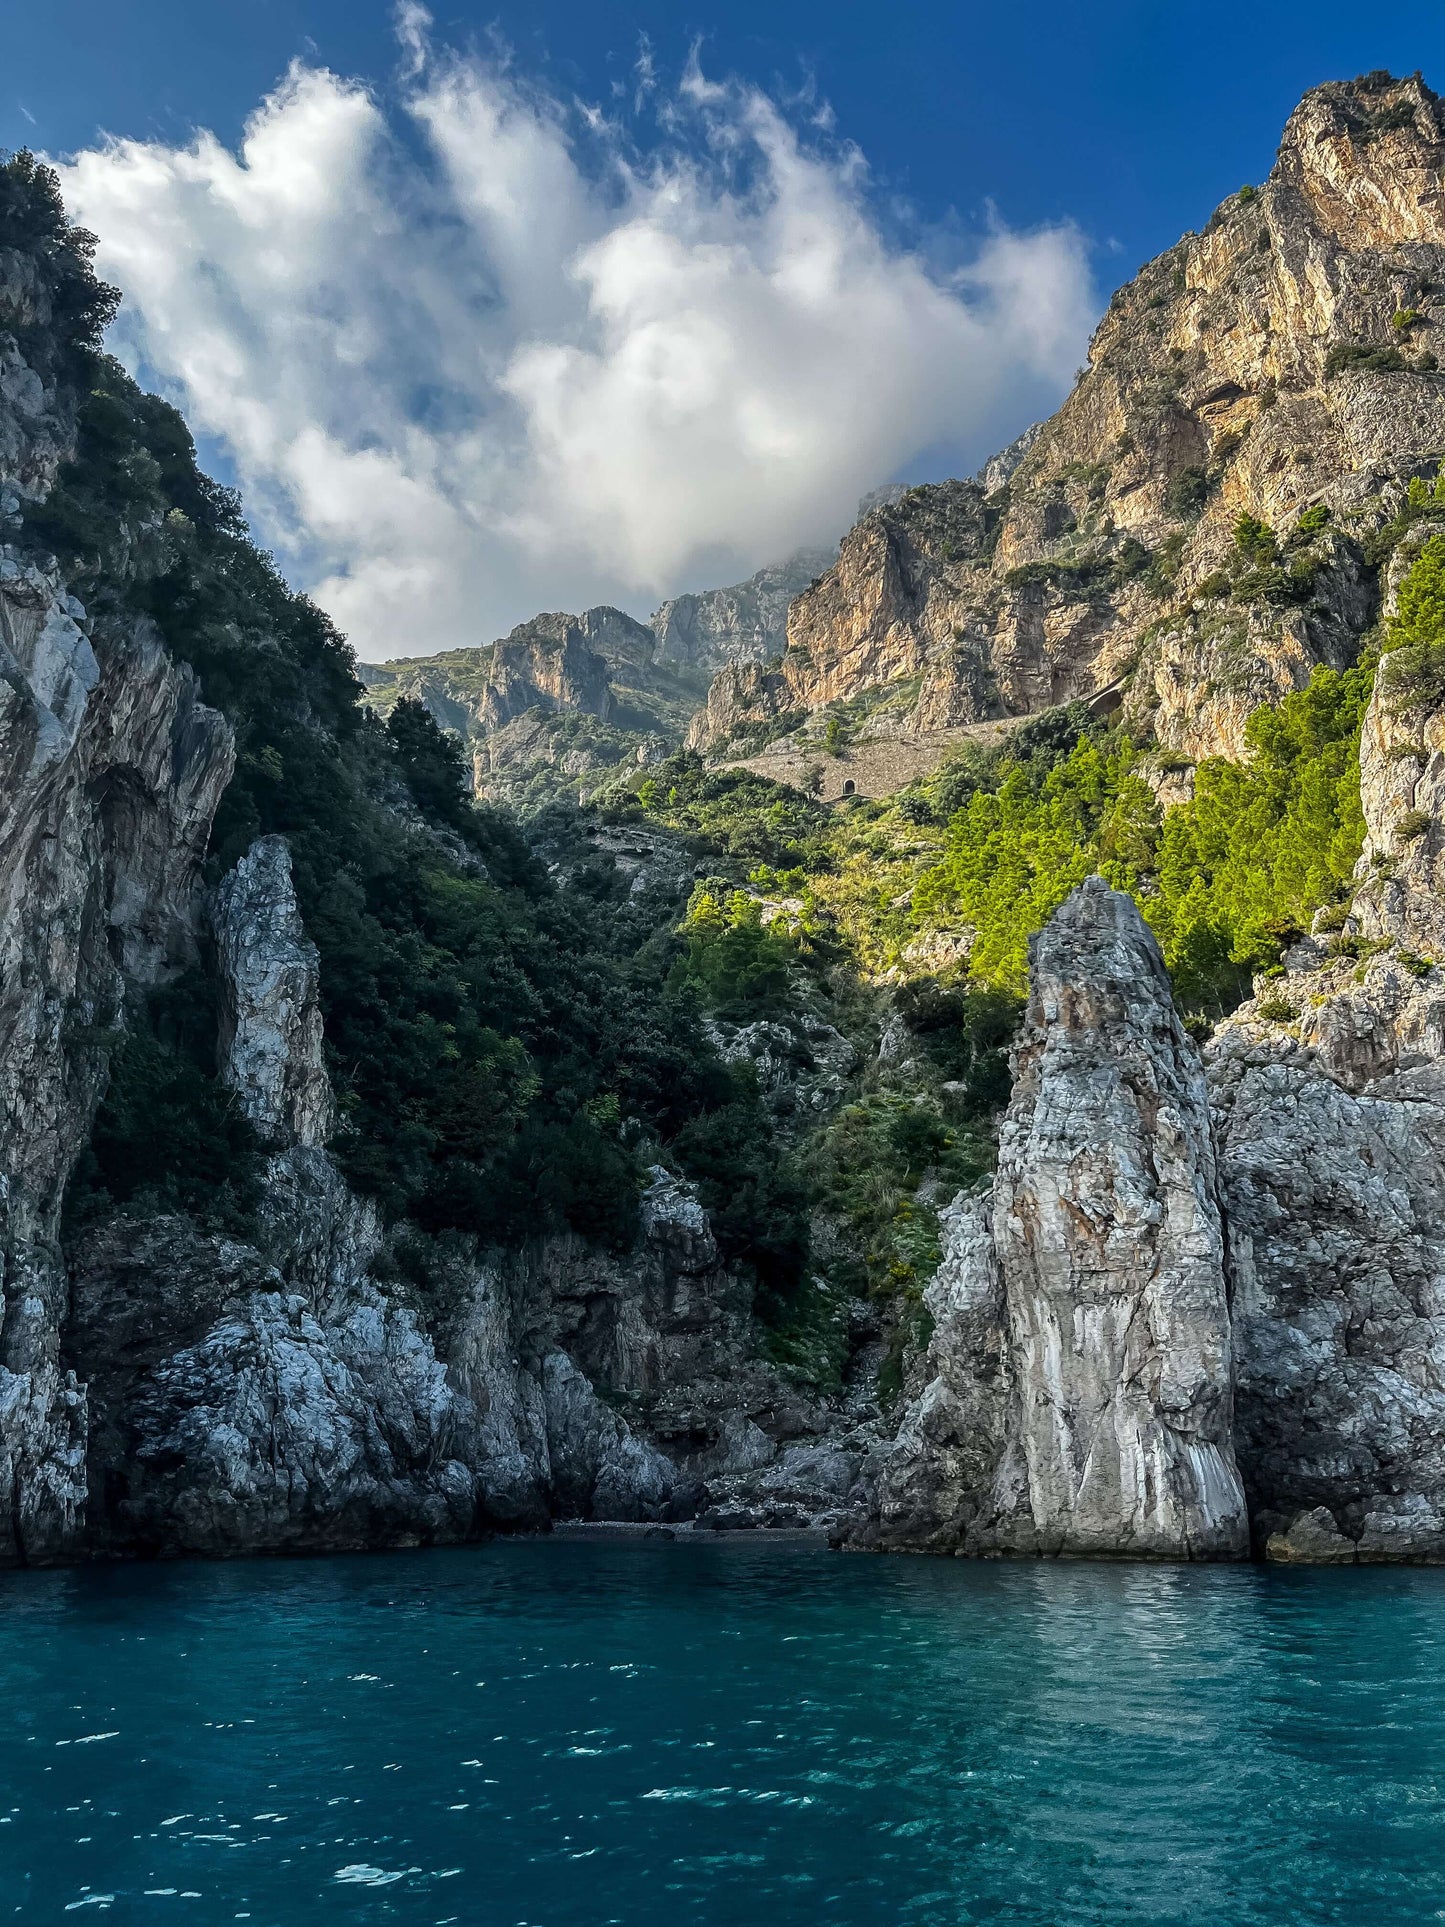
[[943, 1044]]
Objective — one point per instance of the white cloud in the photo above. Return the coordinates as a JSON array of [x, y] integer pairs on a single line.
[[474, 353]]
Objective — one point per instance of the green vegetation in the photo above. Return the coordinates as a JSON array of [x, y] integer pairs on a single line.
[[1365, 360], [1186, 492], [504, 1059], [169, 1136], [994, 840], [1413, 671], [32, 221], [509, 1051]]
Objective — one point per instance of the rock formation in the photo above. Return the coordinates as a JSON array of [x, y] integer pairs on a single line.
[[287, 1384], [1303, 1279], [1079, 1379], [1281, 360], [1329, 1097], [110, 770], [703, 633], [1192, 1311], [237, 1397], [564, 702]]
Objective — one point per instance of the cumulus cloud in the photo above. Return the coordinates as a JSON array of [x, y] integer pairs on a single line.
[[476, 351]]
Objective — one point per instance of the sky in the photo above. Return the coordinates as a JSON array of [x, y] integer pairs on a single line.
[[501, 308]]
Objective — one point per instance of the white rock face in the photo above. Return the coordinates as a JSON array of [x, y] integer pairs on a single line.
[[1081, 1373], [110, 771], [271, 1030], [1108, 1239], [745, 623]]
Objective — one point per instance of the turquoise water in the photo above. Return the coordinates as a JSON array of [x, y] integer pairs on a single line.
[[542, 1733]]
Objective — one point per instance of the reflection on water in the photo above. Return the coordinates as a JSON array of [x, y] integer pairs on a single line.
[[535, 1734]]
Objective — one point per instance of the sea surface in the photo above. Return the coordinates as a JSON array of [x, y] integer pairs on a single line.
[[670, 1734]]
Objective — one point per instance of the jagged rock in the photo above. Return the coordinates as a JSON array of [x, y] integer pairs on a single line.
[[801, 1066], [1081, 1396], [1328, 1092], [744, 623], [600, 1469], [270, 1043], [1400, 894], [110, 770], [274, 1431], [1312, 1539], [927, 1487], [1000, 469], [1230, 376]]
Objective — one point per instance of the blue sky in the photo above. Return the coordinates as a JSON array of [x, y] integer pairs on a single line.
[[443, 423], [1132, 117]]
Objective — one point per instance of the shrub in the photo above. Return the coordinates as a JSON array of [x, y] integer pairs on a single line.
[[168, 1135], [1276, 1010], [1186, 492], [1413, 668], [1255, 541], [1314, 521], [1413, 824], [1365, 360], [740, 966]]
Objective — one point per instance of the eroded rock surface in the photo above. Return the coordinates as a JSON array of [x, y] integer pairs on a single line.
[[1080, 1377], [1257, 368], [1329, 1098]]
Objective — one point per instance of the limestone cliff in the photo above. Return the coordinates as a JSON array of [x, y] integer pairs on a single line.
[[1283, 360], [110, 771], [703, 633], [565, 702], [1296, 1229], [1329, 1096], [267, 1358], [1079, 1382]]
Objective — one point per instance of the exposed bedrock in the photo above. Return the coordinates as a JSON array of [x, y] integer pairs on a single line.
[[1118, 1323], [289, 1394], [110, 770], [1329, 1103], [1078, 1387]]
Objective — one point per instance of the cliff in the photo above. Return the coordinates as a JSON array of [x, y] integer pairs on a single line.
[[565, 702], [345, 1195], [1079, 1397], [1192, 529], [375, 1171], [1266, 1230]]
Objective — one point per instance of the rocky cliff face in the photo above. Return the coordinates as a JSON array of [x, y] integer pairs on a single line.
[[111, 770], [318, 1376], [1282, 360], [1293, 1234], [557, 706], [1329, 1097], [1079, 1382], [565, 702], [228, 1396], [704, 633]]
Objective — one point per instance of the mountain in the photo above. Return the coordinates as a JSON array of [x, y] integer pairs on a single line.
[[565, 702], [1045, 1154], [1191, 533]]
